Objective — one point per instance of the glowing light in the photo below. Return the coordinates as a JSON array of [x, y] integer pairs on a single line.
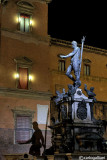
[[16, 75], [16, 19], [19, 19], [35, 23], [31, 22], [30, 78]]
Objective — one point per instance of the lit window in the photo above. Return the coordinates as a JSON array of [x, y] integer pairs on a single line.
[[25, 16], [24, 22], [86, 69], [61, 66], [23, 130], [23, 78]]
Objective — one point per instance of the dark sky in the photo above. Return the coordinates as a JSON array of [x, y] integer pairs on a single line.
[[72, 19]]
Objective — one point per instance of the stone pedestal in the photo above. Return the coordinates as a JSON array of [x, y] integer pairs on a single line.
[[81, 112], [75, 130]]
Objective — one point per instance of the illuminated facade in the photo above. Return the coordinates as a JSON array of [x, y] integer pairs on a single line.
[[24, 72], [31, 72]]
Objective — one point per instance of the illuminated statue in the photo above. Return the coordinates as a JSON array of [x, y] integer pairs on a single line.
[[91, 95], [75, 63]]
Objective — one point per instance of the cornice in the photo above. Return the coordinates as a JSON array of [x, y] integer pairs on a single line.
[[4, 2], [95, 50], [60, 42], [48, 1], [63, 43], [29, 94], [43, 1], [25, 37]]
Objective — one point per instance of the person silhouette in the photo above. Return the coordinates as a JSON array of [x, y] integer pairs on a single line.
[[37, 141]]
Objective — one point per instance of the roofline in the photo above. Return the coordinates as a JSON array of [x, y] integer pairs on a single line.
[[64, 43], [46, 1]]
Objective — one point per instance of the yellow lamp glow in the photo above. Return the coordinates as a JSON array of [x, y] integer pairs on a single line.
[[19, 19], [31, 22], [16, 19], [30, 78], [16, 75]]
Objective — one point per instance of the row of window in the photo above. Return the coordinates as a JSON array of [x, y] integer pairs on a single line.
[[23, 78], [61, 67]]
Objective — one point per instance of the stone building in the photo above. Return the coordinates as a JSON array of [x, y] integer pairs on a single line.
[[31, 72], [24, 72]]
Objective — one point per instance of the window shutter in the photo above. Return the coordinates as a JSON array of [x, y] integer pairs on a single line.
[[22, 24], [86, 70], [23, 130], [27, 24], [23, 78], [61, 65], [23, 122]]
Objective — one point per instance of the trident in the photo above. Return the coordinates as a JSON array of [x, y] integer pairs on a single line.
[[83, 39]]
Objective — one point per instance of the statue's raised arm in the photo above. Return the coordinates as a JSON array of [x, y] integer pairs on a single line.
[[70, 54]]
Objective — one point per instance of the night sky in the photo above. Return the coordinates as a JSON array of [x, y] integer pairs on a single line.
[[71, 20]]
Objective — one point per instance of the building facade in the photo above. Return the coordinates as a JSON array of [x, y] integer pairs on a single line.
[[24, 72], [31, 72]]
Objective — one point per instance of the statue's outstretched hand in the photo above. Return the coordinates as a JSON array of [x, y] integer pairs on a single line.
[[61, 56]]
